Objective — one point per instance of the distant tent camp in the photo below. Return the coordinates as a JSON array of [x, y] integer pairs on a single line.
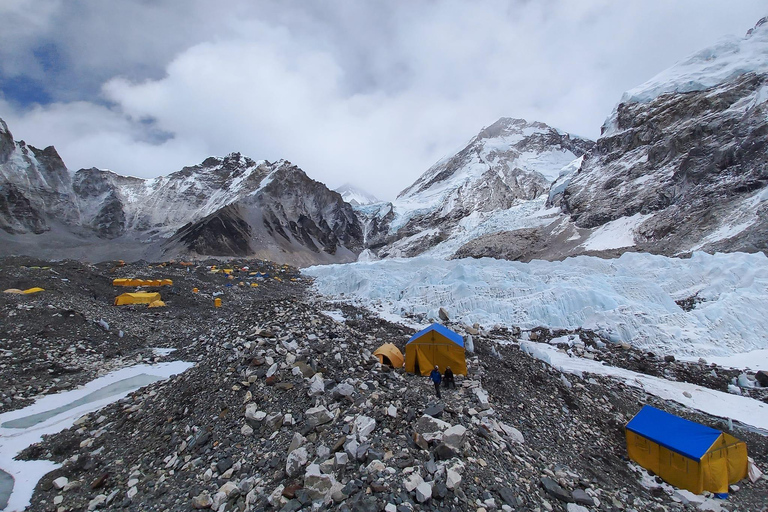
[[136, 298], [389, 354], [435, 345], [685, 454]]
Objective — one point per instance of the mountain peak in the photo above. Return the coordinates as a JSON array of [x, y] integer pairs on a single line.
[[355, 195]]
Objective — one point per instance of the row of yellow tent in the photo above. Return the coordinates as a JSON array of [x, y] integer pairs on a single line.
[[28, 291], [142, 282], [152, 299]]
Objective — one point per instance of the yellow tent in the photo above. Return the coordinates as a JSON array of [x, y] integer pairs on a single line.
[[685, 454], [13, 290], [435, 345], [33, 290], [390, 354], [156, 304], [136, 298]]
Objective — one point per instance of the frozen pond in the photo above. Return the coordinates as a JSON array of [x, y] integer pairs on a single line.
[[118, 388], [54, 413], [6, 486]]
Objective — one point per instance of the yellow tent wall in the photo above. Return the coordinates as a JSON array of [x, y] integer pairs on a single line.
[[431, 349], [724, 463], [392, 353], [136, 298]]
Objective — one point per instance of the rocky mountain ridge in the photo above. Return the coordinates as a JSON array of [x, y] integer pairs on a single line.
[[508, 163], [681, 165], [230, 206]]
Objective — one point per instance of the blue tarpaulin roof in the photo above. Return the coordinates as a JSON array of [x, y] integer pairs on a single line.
[[454, 337], [673, 432]]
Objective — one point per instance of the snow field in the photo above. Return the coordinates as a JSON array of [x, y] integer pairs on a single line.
[[629, 299], [715, 403]]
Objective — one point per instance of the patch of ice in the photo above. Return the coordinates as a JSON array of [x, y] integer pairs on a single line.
[[615, 234], [336, 315]]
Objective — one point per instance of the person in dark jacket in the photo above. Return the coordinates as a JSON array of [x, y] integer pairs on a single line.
[[448, 378], [436, 378]]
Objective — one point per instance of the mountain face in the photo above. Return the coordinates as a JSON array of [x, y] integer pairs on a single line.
[[34, 186], [288, 214], [355, 195], [231, 206], [506, 164], [685, 155], [681, 165]]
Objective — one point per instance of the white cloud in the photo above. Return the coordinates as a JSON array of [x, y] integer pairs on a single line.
[[368, 93]]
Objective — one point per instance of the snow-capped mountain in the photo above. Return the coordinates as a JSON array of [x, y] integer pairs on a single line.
[[355, 195], [231, 206], [683, 159], [681, 165], [503, 168]]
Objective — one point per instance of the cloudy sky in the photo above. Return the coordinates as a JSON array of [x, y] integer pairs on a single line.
[[367, 92]]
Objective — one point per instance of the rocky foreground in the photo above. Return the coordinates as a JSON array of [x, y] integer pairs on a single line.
[[286, 409]]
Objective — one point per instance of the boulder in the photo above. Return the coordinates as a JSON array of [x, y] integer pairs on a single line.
[[454, 437], [316, 385], [428, 424], [318, 485], [435, 410], [452, 479], [762, 378], [318, 416], [443, 314], [364, 425], [554, 490], [296, 460], [423, 492], [582, 498], [412, 482]]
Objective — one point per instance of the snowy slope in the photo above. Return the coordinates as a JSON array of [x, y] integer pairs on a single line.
[[631, 298], [726, 60], [682, 162], [355, 195], [507, 164]]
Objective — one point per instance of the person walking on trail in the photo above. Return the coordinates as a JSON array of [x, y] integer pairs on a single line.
[[448, 377], [436, 378]]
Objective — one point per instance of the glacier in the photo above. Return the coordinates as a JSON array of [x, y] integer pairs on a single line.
[[628, 299]]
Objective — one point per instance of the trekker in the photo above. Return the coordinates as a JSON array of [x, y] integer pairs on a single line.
[[436, 378], [449, 382]]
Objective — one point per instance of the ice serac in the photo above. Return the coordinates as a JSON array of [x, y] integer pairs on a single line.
[[509, 162], [686, 156]]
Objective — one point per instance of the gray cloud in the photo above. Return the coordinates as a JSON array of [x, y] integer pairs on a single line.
[[371, 93]]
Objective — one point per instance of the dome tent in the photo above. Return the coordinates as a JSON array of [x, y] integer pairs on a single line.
[[389, 354]]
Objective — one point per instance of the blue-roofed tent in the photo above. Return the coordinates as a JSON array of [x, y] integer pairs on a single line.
[[435, 345], [685, 453]]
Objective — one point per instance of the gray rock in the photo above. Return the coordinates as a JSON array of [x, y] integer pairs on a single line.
[[318, 416], [554, 490], [582, 498]]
